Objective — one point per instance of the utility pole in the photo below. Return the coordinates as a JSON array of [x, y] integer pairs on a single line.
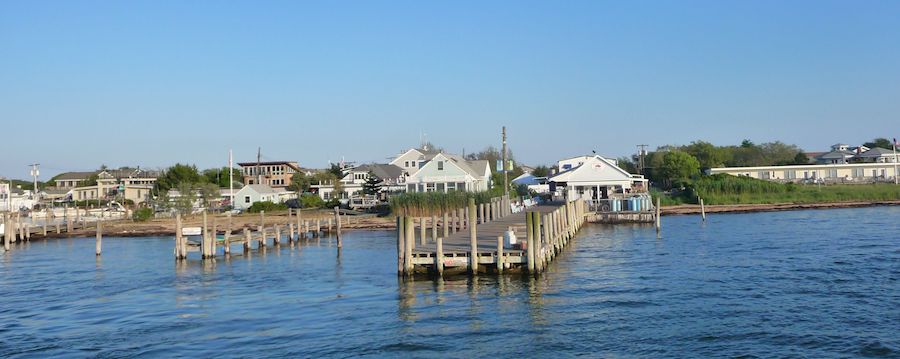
[[34, 174], [895, 161], [642, 149], [505, 166], [258, 168], [231, 179]]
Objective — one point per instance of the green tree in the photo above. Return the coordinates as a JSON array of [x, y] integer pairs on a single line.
[[541, 171], [628, 165], [801, 158], [174, 176], [187, 196], [209, 193], [706, 153], [879, 142], [300, 182], [372, 186], [679, 167], [336, 170], [220, 177]]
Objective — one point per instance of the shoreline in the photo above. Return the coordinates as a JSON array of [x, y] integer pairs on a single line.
[[687, 209], [166, 227]]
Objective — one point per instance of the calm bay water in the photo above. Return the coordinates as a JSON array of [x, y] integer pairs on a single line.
[[822, 283]]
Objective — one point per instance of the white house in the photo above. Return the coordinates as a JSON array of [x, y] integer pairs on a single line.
[[253, 193], [594, 177], [444, 172], [392, 179], [413, 159]]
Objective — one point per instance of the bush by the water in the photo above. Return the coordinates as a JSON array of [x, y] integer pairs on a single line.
[[142, 214], [267, 206], [728, 189]]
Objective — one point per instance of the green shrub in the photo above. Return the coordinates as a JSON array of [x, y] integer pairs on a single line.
[[142, 214], [267, 206], [421, 204], [311, 201]]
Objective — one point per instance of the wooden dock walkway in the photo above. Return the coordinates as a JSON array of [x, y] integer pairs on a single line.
[[541, 232]]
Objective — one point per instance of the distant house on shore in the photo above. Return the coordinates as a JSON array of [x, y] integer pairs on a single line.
[[413, 159], [250, 194], [830, 173], [275, 174], [444, 172], [126, 183], [391, 180], [594, 177]]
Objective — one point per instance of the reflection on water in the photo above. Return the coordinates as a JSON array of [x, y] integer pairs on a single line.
[[813, 283]]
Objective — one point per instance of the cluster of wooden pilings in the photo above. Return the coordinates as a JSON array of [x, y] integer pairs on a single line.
[[15, 229], [547, 233], [450, 222], [541, 234], [293, 230]]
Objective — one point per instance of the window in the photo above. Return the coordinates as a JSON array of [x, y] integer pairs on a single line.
[[832, 173], [440, 187], [440, 165], [790, 174], [406, 164], [246, 199]]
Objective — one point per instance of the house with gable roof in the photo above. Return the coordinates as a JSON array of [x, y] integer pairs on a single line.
[[594, 177]]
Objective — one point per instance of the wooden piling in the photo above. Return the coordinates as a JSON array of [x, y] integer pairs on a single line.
[[401, 245], [423, 227], [536, 222], [44, 225], [452, 222], [410, 244], [299, 225], [439, 256], [247, 240], [99, 237], [445, 225], [291, 232], [7, 229], [57, 228], [499, 260], [318, 227], [178, 236], [473, 240], [213, 238], [277, 240], [702, 210], [262, 237], [657, 216], [529, 244], [481, 213], [434, 227], [337, 221]]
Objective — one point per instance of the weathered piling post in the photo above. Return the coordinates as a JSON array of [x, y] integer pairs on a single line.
[[204, 245], [536, 222], [277, 240], [452, 223], [337, 221], [657, 216], [330, 225], [213, 237], [69, 223], [439, 257], [445, 225], [422, 230], [410, 244], [27, 232], [262, 238], [529, 243], [702, 210], [473, 240], [318, 227], [57, 228], [305, 228], [44, 225], [401, 245], [299, 225], [481, 213], [433, 227], [247, 240], [291, 232], [6, 231], [178, 236], [99, 245], [499, 260]]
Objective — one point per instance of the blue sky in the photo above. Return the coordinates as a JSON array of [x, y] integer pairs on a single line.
[[86, 83]]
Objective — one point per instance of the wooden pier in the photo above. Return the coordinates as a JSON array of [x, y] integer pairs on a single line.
[[480, 244]]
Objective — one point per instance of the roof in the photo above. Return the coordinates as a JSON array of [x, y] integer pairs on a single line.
[[876, 152], [74, 176], [837, 154], [475, 168], [594, 169], [383, 171], [259, 188], [292, 164]]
